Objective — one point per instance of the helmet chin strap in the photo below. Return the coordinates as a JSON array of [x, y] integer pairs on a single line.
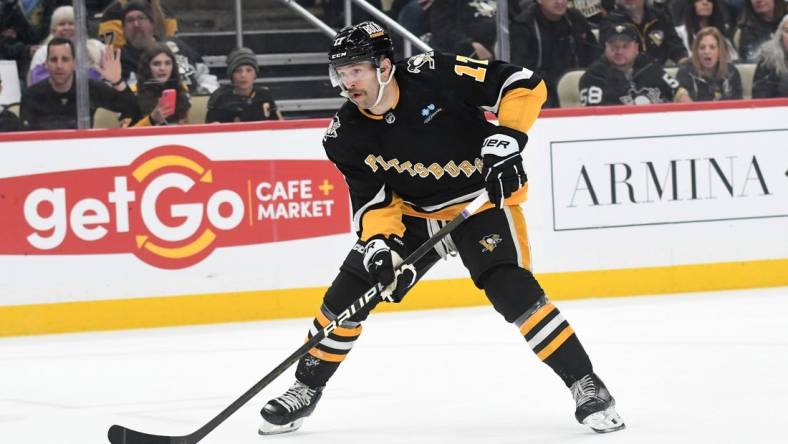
[[344, 93], [382, 83]]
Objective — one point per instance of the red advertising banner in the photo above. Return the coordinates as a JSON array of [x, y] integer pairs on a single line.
[[171, 207]]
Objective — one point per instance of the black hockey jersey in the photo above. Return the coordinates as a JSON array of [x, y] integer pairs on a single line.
[[422, 158], [604, 84]]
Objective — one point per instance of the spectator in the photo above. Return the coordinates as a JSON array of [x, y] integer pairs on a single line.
[[8, 120], [62, 25], [39, 15], [550, 39], [623, 75], [242, 101], [593, 10], [463, 27], [704, 13], [17, 39], [157, 73], [52, 104], [110, 29], [771, 74], [758, 21], [414, 16], [658, 37], [709, 75], [138, 29]]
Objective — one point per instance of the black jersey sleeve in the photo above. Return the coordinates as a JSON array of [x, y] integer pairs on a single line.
[[376, 210]]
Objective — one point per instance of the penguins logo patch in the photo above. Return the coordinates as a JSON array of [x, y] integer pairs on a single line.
[[490, 242], [332, 129], [416, 62]]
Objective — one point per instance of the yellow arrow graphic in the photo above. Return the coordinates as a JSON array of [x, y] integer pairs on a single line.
[[159, 162], [201, 243]]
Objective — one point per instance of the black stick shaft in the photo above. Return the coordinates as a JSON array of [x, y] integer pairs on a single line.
[[122, 435]]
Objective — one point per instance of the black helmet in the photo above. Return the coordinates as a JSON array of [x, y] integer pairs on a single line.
[[366, 41]]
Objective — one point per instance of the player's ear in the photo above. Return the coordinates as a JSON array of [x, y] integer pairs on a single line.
[[385, 65]]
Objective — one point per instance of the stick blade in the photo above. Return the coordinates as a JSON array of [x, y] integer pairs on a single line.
[[121, 435]]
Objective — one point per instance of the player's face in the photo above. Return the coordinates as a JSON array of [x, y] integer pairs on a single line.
[[161, 67], [243, 77], [60, 64], [361, 83], [621, 52], [64, 29], [704, 8], [708, 52]]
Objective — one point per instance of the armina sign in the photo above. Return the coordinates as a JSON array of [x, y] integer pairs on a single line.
[[171, 207], [669, 179]]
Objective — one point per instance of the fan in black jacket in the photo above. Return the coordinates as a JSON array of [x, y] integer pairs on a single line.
[[709, 75], [771, 74], [625, 76], [551, 39], [658, 37]]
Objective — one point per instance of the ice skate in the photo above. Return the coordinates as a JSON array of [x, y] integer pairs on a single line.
[[286, 413], [595, 405]]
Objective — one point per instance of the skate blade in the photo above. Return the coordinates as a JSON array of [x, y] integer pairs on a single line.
[[266, 428], [605, 421]]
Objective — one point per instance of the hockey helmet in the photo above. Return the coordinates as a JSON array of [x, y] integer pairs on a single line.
[[366, 41]]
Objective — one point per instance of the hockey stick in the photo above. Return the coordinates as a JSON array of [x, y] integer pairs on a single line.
[[122, 435]]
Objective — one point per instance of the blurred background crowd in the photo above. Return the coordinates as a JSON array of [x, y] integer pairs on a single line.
[[169, 62]]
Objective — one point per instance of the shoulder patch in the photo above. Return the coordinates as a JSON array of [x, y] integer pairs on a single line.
[[416, 62], [333, 127]]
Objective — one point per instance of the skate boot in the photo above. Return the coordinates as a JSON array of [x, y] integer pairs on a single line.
[[286, 413], [595, 407]]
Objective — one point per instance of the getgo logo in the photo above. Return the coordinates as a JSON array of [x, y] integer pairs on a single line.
[[172, 207]]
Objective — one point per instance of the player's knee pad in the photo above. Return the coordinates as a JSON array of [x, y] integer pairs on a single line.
[[512, 290]]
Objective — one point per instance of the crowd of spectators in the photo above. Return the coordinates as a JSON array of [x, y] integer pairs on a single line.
[[703, 40], [138, 64], [137, 68]]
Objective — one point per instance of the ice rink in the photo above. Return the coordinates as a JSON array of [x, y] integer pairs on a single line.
[[691, 368]]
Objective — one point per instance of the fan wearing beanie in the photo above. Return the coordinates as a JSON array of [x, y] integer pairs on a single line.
[[111, 25], [242, 100]]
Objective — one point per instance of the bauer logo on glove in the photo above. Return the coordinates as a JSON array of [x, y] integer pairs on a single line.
[[503, 165]]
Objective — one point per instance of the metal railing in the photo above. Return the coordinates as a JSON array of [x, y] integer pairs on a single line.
[[408, 38]]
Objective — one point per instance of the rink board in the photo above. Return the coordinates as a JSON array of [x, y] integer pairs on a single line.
[[111, 229]]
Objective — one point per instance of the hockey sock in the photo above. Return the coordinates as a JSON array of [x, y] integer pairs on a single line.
[[317, 367], [554, 341]]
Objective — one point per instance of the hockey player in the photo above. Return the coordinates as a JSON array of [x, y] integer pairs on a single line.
[[414, 146]]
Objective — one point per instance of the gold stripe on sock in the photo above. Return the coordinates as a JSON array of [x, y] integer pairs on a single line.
[[536, 317], [555, 343]]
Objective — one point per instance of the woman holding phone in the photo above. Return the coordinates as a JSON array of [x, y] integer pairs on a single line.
[[162, 98]]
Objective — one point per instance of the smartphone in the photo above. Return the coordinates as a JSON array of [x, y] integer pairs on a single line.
[[168, 98]]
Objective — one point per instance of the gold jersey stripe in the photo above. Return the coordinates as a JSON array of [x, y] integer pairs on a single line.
[[386, 220], [536, 317], [522, 235], [555, 343]]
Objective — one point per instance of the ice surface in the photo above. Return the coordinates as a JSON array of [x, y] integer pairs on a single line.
[[691, 368]]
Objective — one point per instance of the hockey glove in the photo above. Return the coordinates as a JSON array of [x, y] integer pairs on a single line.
[[502, 164], [382, 258]]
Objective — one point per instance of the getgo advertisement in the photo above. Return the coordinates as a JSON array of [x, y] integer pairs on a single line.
[[171, 207]]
